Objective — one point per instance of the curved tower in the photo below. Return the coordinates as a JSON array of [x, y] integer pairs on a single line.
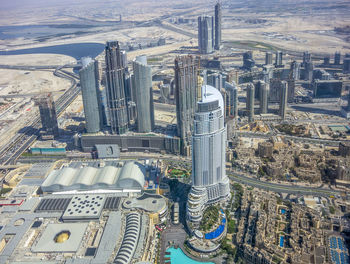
[[209, 181], [144, 96], [91, 95]]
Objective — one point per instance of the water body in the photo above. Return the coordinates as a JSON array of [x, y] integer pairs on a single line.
[[75, 50], [178, 257]]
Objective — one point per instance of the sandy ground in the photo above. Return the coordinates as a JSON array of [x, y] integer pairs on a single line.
[[124, 36], [22, 81], [297, 34], [15, 81], [157, 50], [35, 59], [166, 117]]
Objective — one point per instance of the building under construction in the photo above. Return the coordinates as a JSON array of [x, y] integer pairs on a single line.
[[48, 115]]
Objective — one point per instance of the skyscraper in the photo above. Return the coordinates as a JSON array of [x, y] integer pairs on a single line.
[[186, 74], [283, 102], [306, 58], [264, 95], [205, 34], [231, 99], [248, 61], [144, 95], [279, 59], [215, 79], [291, 90], [48, 115], [295, 70], [115, 81], [217, 26], [235, 100], [346, 64], [337, 57], [309, 69], [275, 90], [250, 101], [267, 73], [268, 58], [326, 60], [91, 95], [209, 181]]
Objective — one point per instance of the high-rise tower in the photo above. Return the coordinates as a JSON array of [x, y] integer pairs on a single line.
[[337, 57], [306, 57], [186, 78], [217, 26], [268, 58], [235, 101], [346, 63], [115, 81], [91, 95], [48, 115], [248, 60], [279, 59], [231, 99], [264, 95], [209, 181], [144, 95], [295, 70], [308, 72], [205, 34], [250, 101], [284, 99]]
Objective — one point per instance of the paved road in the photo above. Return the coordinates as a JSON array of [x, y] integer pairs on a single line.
[[164, 107], [281, 188]]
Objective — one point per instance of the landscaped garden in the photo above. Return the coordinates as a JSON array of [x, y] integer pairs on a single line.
[[210, 218]]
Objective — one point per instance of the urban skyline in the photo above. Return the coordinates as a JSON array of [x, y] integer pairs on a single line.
[[175, 132]]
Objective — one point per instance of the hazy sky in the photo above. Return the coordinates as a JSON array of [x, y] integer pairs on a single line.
[[19, 4]]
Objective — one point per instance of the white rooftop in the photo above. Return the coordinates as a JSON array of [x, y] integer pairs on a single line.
[[211, 94]]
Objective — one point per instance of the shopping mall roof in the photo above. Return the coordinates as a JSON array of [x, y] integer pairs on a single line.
[[48, 241], [152, 203], [129, 176]]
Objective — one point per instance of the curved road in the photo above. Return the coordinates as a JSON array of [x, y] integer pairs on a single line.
[[240, 178]]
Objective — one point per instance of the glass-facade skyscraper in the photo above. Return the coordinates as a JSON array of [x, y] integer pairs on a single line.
[[115, 90]]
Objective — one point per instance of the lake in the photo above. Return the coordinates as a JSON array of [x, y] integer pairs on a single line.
[[75, 50]]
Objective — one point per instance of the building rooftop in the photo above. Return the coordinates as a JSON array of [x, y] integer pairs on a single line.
[[84, 207], [211, 94], [147, 202], [61, 238], [130, 176]]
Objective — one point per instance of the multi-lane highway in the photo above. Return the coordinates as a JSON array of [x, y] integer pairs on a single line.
[[282, 188], [250, 181], [21, 141]]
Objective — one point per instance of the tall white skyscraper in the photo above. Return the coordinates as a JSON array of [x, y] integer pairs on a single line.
[[209, 181]]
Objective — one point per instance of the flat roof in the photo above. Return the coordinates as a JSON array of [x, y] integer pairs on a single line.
[[47, 242], [87, 206], [148, 202]]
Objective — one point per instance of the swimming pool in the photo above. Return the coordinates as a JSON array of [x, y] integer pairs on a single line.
[[178, 257], [281, 241], [217, 232]]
